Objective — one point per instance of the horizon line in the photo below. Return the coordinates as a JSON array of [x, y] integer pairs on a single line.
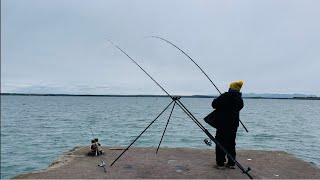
[[245, 95]]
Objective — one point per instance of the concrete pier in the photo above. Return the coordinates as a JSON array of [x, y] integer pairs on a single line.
[[173, 163]]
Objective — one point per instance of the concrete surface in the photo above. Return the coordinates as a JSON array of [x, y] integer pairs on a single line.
[[173, 163]]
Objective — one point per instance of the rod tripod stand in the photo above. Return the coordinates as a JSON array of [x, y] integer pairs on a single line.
[[176, 101]]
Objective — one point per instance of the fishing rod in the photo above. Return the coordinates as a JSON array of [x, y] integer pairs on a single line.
[[103, 164], [187, 56], [179, 103], [173, 98], [157, 37]]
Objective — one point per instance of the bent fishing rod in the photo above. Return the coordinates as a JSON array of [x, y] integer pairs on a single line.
[[179, 103], [157, 37]]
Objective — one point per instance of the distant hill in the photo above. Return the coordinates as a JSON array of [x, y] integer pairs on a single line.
[[275, 95]]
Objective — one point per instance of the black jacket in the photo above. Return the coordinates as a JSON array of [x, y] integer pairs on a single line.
[[227, 107]]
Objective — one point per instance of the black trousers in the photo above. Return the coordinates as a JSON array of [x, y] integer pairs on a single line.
[[228, 140]]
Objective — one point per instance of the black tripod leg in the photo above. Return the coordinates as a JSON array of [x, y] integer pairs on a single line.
[[166, 126], [141, 134], [243, 126]]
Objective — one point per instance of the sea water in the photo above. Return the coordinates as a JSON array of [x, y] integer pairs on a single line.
[[35, 130]]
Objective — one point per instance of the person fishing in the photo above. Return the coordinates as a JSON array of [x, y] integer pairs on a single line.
[[227, 111], [100, 152], [93, 148]]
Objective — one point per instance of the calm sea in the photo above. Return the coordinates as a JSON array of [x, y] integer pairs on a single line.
[[35, 130]]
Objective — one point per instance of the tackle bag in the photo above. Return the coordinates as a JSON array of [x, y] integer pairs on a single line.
[[211, 119]]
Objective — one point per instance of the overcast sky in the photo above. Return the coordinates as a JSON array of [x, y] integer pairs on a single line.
[[60, 46]]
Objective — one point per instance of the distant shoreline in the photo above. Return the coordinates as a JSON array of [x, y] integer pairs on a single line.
[[158, 96]]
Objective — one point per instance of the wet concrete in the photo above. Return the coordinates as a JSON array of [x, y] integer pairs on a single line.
[[173, 163]]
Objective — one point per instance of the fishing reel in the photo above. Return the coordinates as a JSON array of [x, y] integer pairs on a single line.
[[174, 98], [208, 141], [103, 164]]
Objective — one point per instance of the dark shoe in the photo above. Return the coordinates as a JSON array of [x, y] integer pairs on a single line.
[[219, 167], [229, 166]]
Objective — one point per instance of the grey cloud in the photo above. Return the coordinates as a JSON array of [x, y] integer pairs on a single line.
[[271, 45]]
